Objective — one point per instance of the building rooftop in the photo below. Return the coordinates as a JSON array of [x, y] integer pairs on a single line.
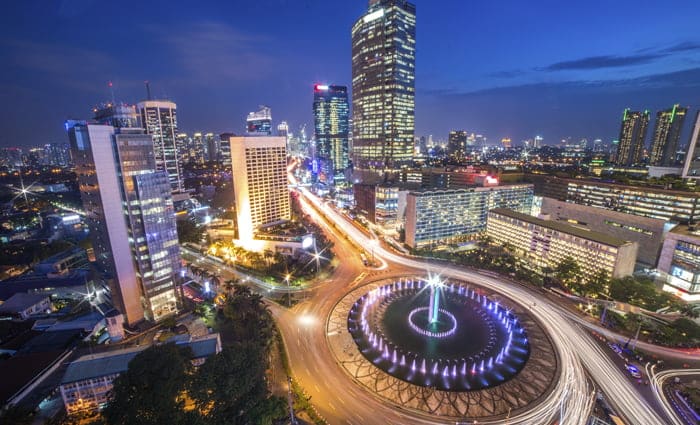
[[20, 302], [96, 365], [430, 191], [562, 227]]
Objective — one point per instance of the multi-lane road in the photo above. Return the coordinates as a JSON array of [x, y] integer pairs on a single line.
[[339, 400]]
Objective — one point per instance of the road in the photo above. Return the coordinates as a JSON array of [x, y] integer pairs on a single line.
[[576, 347], [657, 380]]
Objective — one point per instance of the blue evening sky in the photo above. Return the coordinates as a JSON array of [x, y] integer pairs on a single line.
[[508, 68]]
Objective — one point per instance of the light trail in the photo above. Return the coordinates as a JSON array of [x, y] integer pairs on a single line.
[[570, 400], [657, 380]]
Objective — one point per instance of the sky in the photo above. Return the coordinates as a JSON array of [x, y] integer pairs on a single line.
[[510, 68]]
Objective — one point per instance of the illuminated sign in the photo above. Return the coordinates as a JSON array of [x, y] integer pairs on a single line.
[[320, 87], [374, 15], [491, 180]]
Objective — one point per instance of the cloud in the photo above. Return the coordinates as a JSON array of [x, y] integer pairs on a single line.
[[214, 52], [601, 62], [685, 46], [69, 66]]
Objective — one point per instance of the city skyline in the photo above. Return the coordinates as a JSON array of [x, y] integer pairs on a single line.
[[563, 77]]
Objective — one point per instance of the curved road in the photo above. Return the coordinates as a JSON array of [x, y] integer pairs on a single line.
[[576, 347]]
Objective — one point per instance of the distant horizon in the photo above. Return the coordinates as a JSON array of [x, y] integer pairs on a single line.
[[508, 70]]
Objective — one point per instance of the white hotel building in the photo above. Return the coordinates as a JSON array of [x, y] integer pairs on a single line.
[[545, 243]]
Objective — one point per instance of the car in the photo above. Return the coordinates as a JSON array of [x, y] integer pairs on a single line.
[[633, 371]]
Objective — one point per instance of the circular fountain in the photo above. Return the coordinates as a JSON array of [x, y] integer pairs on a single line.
[[437, 334]]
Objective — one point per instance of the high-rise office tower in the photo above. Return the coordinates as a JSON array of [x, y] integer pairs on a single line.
[[159, 119], [58, 154], [118, 115], [331, 112], [691, 169], [259, 123], [537, 142], [259, 169], [457, 144], [383, 88], [130, 213], [283, 129], [667, 134], [632, 134]]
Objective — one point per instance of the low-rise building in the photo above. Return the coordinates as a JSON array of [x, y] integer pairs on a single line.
[[23, 305], [679, 263], [545, 243], [647, 232], [86, 385], [442, 216]]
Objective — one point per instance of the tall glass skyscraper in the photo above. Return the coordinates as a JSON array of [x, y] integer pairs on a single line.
[[130, 213], [632, 134], [259, 123], [331, 127], [383, 87], [667, 134], [159, 119]]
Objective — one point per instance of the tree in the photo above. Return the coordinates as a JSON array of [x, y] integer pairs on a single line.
[[187, 231], [230, 388], [597, 284], [152, 389], [568, 272]]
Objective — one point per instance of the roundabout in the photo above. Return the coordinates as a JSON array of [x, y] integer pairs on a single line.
[[442, 347]]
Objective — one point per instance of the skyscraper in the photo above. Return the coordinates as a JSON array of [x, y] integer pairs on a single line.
[[159, 119], [118, 115], [667, 133], [259, 123], [632, 134], [383, 87], [457, 144], [130, 214], [259, 168], [331, 128]]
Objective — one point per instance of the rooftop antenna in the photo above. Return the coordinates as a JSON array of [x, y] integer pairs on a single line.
[[111, 91], [148, 90]]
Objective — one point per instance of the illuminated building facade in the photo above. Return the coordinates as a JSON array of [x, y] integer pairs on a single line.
[[545, 243], [679, 263], [331, 129], [457, 144], [159, 119], [633, 132], [691, 169], [667, 134], [130, 214], [259, 123], [383, 87], [259, 168], [669, 205], [118, 115], [647, 232], [437, 217]]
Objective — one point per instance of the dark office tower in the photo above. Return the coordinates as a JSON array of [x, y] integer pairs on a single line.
[[667, 133], [383, 88], [159, 119], [632, 135], [118, 115], [129, 210], [457, 144], [259, 123], [331, 130]]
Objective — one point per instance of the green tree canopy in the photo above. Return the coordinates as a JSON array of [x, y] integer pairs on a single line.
[[151, 391]]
